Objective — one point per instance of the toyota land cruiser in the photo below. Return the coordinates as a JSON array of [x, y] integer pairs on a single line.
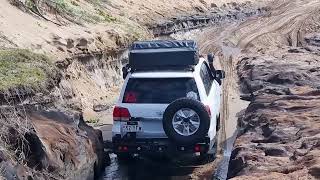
[[170, 101]]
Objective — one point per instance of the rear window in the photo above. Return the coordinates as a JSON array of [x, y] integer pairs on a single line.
[[159, 90]]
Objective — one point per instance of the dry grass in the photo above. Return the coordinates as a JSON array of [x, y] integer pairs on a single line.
[[13, 127]]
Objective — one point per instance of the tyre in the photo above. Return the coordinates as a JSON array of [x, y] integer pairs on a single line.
[[218, 123], [186, 121], [205, 157]]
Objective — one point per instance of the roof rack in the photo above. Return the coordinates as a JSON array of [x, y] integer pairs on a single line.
[[164, 44], [163, 55]]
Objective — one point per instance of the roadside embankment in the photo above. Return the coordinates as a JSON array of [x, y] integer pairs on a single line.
[[85, 39], [281, 137], [275, 60], [279, 74], [48, 145], [38, 138]]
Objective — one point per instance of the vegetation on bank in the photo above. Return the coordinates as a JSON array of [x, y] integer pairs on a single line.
[[76, 11], [23, 68]]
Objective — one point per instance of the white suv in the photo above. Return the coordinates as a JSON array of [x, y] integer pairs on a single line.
[[168, 108]]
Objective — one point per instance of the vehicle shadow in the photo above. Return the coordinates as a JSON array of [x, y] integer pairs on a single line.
[[150, 168]]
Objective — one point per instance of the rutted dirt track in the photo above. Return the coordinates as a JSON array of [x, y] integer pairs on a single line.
[[277, 60], [187, 167], [272, 63]]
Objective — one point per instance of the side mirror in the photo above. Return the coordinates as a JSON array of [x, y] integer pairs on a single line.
[[125, 71], [210, 58], [220, 74], [210, 61]]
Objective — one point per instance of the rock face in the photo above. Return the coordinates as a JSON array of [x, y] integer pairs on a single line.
[[90, 81], [277, 59], [230, 12], [71, 148], [281, 127], [58, 146]]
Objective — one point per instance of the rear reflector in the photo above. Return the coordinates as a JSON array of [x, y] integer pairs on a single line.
[[121, 114], [130, 97], [123, 148], [197, 148]]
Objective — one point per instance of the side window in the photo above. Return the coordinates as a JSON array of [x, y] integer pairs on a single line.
[[206, 77]]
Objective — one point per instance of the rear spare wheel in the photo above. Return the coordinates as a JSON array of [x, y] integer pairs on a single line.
[[186, 121]]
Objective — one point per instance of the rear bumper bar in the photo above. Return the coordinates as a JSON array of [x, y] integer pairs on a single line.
[[164, 145]]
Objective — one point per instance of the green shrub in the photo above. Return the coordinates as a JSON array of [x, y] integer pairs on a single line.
[[19, 67], [93, 120], [106, 17]]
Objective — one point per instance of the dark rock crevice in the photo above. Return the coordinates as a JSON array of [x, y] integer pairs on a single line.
[[230, 12]]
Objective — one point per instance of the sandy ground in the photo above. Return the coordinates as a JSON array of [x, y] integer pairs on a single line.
[[23, 30], [162, 9], [288, 23]]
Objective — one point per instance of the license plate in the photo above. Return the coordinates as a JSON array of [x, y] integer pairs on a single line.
[[131, 128]]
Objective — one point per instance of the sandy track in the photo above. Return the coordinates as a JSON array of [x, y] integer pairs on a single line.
[[286, 18], [284, 21]]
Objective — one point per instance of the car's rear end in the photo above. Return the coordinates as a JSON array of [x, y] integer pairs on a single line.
[[160, 77], [138, 116]]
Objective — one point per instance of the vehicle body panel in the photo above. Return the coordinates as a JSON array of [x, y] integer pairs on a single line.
[[150, 116]]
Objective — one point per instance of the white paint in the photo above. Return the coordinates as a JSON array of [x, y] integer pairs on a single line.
[[152, 114]]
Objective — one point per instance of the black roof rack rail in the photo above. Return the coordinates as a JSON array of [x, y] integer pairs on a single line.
[[164, 44], [163, 69]]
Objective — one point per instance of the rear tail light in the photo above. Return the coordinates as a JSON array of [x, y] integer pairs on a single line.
[[123, 148], [197, 148], [121, 114], [208, 110]]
